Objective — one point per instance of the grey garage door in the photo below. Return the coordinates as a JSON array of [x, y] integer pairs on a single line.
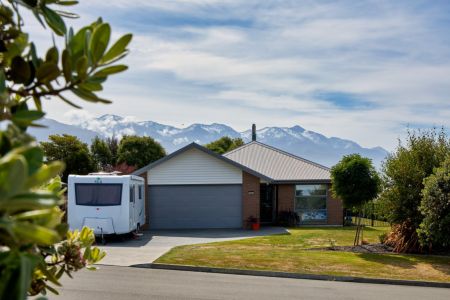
[[195, 206]]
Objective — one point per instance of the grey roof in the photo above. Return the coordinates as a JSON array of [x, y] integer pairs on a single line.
[[205, 150], [278, 165]]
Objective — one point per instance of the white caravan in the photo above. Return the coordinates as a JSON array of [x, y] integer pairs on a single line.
[[109, 204]]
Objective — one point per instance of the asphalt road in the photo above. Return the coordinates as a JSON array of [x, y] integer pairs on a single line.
[[133, 283]]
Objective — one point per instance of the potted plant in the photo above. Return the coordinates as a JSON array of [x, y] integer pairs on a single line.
[[254, 223]]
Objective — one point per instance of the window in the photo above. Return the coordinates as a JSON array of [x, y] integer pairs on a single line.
[[311, 203], [98, 194], [132, 192], [140, 189]]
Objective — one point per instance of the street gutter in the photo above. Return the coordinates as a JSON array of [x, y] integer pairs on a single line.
[[294, 275]]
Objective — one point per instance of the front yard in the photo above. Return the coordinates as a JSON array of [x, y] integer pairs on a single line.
[[304, 250]]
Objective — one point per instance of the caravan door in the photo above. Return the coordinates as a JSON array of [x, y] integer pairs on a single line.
[[132, 206]]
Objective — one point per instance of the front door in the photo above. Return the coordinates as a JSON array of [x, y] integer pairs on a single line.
[[266, 203]]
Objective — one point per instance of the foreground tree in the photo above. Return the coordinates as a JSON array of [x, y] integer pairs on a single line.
[[225, 144], [73, 152], [101, 154], [355, 181], [434, 231], [139, 151], [403, 181], [35, 247]]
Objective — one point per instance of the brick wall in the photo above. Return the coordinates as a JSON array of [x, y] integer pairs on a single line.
[[146, 204], [334, 209], [286, 197], [250, 197]]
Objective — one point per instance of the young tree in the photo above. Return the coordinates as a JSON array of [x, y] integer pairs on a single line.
[[74, 153], [224, 144], [113, 145], [139, 151], [434, 231], [404, 172], [355, 181], [36, 247], [101, 154]]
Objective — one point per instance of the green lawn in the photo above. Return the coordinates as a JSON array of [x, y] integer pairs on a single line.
[[292, 253]]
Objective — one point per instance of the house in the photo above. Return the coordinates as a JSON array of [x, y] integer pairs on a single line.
[[197, 188]]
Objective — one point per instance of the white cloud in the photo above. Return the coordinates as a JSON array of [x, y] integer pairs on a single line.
[[269, 69]]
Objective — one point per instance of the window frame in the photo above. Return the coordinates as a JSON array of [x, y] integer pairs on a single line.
[[97, 184], [319, 211]]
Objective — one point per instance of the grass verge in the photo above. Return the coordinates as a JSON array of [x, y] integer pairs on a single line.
[[299, 252]]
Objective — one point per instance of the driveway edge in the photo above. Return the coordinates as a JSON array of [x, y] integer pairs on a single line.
[[293, 275]]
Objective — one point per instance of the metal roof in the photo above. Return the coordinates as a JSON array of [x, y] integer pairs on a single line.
[[205, 150], [278, 165]]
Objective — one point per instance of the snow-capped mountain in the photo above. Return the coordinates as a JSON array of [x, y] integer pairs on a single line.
[[297, 140]]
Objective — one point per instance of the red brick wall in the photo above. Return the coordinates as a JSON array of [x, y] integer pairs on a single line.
[[286, 197], [334, 209], [250, 197], [146, 204]]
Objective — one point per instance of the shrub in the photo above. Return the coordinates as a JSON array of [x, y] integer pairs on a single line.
[[404, 172], [434, 231]]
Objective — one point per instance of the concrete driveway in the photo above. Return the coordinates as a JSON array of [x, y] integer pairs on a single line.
[[153, 244]]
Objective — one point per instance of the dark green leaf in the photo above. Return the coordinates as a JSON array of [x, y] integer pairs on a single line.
[[54, 21], [47, 72], [67, 65], [2, 82], [82, 66], [67, 3], [13, 171], [52, 55], [20, 70], [27, 115], [69, 102], [27, 265], [91, 86], [35, 233], [99, 42], [117, 49], [88, 96], [110, 70]]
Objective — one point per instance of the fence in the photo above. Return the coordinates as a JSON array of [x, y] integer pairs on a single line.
[[371, 222]]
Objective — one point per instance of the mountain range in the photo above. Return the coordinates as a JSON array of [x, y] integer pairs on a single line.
[[296, 140]]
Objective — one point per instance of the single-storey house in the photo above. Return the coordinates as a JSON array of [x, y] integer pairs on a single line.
[[197, 188]]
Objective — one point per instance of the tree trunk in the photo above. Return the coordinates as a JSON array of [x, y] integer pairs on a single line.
[[358, 229]]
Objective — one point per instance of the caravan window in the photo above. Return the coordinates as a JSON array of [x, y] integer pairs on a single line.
[[98, 194], [132, 193], [140, 188]]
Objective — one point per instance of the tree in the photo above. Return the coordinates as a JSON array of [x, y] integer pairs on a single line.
[[113, 145], [404, 172], [434, 231], [74, 153], [36, 247], [101, 154], [225, 144], [355, 181], [139, 151]]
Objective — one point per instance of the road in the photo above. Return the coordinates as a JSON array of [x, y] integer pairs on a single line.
[[112, 283]]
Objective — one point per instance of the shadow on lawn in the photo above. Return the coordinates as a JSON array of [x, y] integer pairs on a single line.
[[390, 259]]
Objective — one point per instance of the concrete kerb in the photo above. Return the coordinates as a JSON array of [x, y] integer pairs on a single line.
[[294, 275]]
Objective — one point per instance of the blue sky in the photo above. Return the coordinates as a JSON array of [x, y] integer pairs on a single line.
[[362, 70]]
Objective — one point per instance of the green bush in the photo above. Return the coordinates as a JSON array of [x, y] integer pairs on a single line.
[[434, 231], [35, 247]]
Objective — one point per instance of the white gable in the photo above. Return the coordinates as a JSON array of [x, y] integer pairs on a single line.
[[194, 167]]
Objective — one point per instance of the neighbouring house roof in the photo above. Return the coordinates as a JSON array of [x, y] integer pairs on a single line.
[[205, 150], [278, 165]]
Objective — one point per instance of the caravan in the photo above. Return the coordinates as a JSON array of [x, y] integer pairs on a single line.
[[108, 203]]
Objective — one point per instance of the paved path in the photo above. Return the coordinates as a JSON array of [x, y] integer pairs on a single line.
[[111, 283], [153, 244]]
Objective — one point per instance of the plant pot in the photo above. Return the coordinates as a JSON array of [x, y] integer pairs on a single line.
[[255, 226]]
